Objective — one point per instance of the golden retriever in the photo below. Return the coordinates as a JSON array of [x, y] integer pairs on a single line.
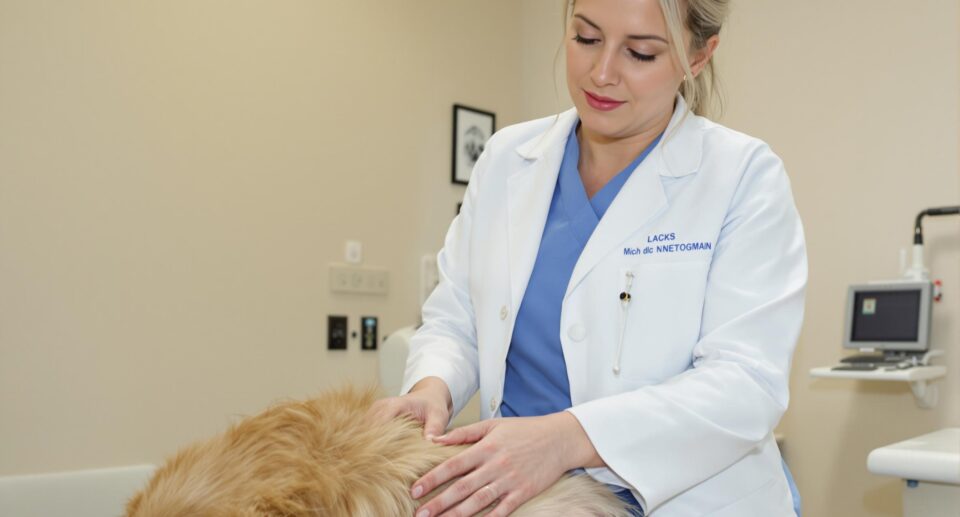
[[325, 457]]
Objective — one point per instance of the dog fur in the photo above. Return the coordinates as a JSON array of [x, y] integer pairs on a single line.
[[325, 457]]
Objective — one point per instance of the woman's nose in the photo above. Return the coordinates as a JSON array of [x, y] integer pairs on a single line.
[[604, 70]]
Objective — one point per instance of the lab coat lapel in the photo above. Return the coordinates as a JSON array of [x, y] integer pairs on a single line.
[[529, 193], [642, 197]]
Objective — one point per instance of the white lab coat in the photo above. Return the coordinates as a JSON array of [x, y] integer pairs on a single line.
[[709, 332]]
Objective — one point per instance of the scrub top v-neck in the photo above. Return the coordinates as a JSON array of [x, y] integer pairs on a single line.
[[536, 380]]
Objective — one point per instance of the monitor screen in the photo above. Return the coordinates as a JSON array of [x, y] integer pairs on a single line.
[[886, 316]]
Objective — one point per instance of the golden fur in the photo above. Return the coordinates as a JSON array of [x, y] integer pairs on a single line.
[[324, 457]]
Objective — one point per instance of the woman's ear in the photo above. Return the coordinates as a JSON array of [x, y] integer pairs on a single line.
[[702, 57]]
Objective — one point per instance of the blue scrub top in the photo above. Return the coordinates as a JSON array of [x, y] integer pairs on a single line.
[[536, 380]]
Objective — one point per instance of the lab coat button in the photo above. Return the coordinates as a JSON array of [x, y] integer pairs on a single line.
[[503, 312], [577, 332], [493, 404]]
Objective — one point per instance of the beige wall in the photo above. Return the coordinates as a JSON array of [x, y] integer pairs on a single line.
[[173, 181], [543, 80], [175, 178], [860, 98]]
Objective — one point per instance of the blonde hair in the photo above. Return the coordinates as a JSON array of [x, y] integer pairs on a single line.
[[704, 19]]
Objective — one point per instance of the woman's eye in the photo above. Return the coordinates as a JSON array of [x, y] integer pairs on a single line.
[[641, 57], [584, 41]]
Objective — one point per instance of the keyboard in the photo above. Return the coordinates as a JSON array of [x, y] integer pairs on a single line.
[[867, 367], [858, 359], [856, 367]]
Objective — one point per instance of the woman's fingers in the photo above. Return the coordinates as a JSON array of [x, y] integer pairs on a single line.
[[467, 434], [435, 423], [517, 457], [456, 466], [481, 498], [465, 497], [507, 505], [380, 411], [433, 416]]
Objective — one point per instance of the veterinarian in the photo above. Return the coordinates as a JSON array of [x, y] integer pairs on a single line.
[[624, 285]]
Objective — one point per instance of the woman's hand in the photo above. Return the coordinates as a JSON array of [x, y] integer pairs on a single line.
[[513, 460], [428, 402]]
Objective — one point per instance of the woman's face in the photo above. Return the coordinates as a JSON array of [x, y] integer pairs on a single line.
[[620, 70]]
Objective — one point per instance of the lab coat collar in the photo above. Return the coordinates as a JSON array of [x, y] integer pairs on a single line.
[[530, 191], [554, 137], [677, 154]]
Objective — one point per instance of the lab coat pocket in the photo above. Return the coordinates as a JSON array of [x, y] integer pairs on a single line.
[[660, 309]]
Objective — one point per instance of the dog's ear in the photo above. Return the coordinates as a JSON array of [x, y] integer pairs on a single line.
[[134, 504]]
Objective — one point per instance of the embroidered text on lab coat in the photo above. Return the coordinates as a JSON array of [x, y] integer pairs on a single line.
[[667, 248]]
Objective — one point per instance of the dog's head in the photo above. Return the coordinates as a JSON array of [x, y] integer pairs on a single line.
[[190, 484], [323, 456]]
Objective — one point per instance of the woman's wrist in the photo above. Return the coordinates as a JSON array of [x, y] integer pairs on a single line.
[[578, 449]]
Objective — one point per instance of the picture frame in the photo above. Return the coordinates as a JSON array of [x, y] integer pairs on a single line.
[[472, 128]]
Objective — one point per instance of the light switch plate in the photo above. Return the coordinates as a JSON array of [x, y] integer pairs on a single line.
[[359, 280], [336, 332], [368, 332]]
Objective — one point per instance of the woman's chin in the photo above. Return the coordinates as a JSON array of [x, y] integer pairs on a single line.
[[602, 125]]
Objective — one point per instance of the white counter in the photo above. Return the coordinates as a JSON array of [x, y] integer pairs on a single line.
[[931, 457], [930, 466]]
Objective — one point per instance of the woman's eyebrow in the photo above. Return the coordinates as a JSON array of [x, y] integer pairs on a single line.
[[631, 36]]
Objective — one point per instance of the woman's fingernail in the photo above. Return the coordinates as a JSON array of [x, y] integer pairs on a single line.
[[441, 437], [423, 513], [430, 437], [417, 492]]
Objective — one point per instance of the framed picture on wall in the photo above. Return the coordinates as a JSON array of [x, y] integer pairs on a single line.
[[471, 130]]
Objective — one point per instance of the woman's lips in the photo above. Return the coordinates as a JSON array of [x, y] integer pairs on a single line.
[[601, 103]]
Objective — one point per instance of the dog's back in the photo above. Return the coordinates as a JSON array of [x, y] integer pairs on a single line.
[[323, 457]]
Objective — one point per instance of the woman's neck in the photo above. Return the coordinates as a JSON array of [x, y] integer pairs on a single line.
[[602, 157]]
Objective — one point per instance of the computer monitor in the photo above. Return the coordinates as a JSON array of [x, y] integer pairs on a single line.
[[890, 316]]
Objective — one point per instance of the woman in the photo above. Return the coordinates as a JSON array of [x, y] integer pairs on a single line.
[[625, 281]]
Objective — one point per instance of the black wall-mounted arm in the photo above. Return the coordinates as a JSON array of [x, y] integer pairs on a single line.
[[943, 210]]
